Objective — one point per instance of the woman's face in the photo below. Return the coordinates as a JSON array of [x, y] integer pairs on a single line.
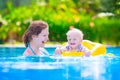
[[74, 40], [42, 37]]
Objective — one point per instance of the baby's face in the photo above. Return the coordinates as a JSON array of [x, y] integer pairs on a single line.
[[74, 39]]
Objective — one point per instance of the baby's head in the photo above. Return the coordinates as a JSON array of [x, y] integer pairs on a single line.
[[74, 37]]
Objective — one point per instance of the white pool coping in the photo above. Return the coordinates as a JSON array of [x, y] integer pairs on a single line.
[[22, 45], [46, 45]]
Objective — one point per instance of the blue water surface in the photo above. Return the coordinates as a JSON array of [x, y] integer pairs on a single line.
[[14, 66]]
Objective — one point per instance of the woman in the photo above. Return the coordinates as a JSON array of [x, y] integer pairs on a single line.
[[35, 37]]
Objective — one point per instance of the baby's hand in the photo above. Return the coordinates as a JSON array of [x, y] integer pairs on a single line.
[[87, 54], [57, 51]]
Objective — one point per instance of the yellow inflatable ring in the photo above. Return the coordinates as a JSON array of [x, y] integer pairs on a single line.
[[67, 53], [96, 49]]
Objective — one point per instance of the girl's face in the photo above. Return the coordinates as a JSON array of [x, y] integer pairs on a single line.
[[42, 37], [74, 40]]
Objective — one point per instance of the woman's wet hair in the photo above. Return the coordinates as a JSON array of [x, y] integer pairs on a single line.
[[34, 28]]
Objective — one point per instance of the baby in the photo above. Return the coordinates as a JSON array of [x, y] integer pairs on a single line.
[[74, 44]]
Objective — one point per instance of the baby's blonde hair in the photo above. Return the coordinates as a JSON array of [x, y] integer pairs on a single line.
[[76, 31]]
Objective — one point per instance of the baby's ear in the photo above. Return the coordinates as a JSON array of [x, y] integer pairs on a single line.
[[81, 39]]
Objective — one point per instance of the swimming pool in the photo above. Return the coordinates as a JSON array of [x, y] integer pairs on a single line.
[[13, 66]]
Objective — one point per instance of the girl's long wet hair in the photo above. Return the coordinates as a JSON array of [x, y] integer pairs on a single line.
[[34, 29]]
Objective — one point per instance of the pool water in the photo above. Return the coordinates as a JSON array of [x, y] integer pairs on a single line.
[[14, 66]]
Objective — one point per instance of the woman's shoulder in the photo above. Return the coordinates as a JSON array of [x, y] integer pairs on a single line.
[[27, 52], [43, 51]]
